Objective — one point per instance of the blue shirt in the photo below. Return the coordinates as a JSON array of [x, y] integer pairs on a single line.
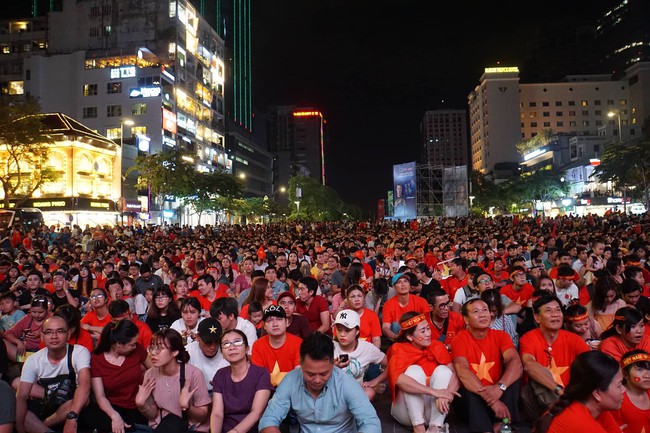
[[341, 407]]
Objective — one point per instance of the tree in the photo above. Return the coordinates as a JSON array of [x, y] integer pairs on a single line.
[[164, 174], [24, 150], [539, 186], [210, 191], [627, 165], [489, 194], [317, 202]]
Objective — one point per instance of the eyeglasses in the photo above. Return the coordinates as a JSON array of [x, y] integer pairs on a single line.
[[50, 332], [519, 274], [155, 350], [236, 343], [162, 297], [444, 306], [484, 280], [98, 296]]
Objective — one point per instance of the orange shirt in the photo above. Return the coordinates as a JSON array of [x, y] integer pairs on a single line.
[[577, 418], [451, 284], [558, 359], [521, 296], [615, 347], [392, 310], [485, 357], [403, 355], [369, 326], [636, 419], [91, 319], [244, 311], [278, 361], [205, 302]]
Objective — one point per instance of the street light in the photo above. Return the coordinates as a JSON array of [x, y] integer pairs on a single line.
[[618, 116]]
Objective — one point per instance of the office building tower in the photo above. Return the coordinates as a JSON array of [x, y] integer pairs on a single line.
[[297, 139], [444, 137]]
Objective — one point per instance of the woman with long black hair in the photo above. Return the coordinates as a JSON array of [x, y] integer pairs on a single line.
[[595, 388]]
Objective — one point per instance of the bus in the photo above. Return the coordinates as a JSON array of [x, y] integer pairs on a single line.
[[28, 217]]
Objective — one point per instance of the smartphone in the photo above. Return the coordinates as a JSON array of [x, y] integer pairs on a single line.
[[343, 358]]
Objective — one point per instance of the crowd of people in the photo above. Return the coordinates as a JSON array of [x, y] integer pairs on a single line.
[[263, 328]]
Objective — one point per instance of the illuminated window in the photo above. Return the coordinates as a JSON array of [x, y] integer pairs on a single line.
[[90, 89], [114, 133], [6, 49], [139, 130], [113, 110], [584, 103], [16, 88]]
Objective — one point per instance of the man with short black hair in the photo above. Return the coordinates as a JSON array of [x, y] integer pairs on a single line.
[[226, 311], [33, 287], [49, 367], [146, 280], [205, 353], [324, 398]]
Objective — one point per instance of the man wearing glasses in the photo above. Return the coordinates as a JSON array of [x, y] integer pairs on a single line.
[[519, 291], [204, 351], [278, 351], [49, 368], [547, 353], [446, 323]]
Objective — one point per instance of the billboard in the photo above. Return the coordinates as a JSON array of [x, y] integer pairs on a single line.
[[404, 191]]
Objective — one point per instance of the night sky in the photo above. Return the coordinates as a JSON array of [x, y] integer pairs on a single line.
[[374, 67]]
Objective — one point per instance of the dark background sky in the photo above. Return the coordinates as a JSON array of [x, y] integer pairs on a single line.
[[374, 67]]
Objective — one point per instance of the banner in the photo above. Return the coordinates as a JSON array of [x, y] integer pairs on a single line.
[[404, 193], [381, 211]]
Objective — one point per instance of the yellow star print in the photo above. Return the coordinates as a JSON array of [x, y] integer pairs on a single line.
[[213, 329], [277, 375], [483, 369], [557, 371]]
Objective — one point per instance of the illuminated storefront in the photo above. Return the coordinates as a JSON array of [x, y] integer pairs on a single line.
[[89, 182]]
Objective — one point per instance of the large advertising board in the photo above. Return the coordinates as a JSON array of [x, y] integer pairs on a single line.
[[404, 191]]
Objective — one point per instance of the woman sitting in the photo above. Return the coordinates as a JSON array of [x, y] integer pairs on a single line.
[[188, 324], [635, 410], [116, 370], [241, 391], [578, 321], [163, 310], [420, 375], [354, 355], [626, 333], [173, 394], [595, 388]]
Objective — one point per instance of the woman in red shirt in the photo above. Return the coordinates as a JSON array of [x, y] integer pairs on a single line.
[[635, 410], [595, 388], [420, 375], [626, 333], [117, 366]]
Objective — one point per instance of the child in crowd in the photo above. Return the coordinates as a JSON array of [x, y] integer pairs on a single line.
[[255, 314], [9, 312]]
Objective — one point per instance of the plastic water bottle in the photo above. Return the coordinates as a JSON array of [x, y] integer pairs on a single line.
[[505, 426]]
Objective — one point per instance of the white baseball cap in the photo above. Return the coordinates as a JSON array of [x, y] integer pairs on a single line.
[[348, 318]]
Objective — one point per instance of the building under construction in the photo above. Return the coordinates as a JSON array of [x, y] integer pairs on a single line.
[[441, 191]]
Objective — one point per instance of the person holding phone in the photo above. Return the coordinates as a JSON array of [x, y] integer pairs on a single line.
[[354, 356]]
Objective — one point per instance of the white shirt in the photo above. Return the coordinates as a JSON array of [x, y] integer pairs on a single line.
[[38, 366], [208, 366], [360, 358], [249, 329], [179, 325]]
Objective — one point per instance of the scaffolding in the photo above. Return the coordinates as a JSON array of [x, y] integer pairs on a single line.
[[441, 191]]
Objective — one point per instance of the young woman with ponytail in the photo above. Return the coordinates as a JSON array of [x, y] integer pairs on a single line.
[[595, 388], [116, 370]]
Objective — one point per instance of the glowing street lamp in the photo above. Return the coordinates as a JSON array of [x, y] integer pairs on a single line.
[[618, 116]]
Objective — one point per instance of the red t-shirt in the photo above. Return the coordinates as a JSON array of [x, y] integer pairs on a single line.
[[91, 319], [205, 302], [485, 357], [455, 325], [144, 332], [312, 313], [615, 347], [244, 311], [369, 326], [521, 296], [563, 351], [392, 310], [278, 361], [577, 418], [636, 419], [451, 284], [499, 276], [120, 382]]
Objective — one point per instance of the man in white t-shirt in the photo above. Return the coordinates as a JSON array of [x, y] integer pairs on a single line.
[[204, 352], [226, 311], [48, 368]]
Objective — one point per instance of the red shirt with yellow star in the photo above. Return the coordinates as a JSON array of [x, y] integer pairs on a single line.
[[521, 296], [278, 361], [485, 356], [558, 356]]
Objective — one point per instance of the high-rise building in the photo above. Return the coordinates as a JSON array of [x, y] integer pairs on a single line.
[[297, 139], [504, 112], [444, 137]]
